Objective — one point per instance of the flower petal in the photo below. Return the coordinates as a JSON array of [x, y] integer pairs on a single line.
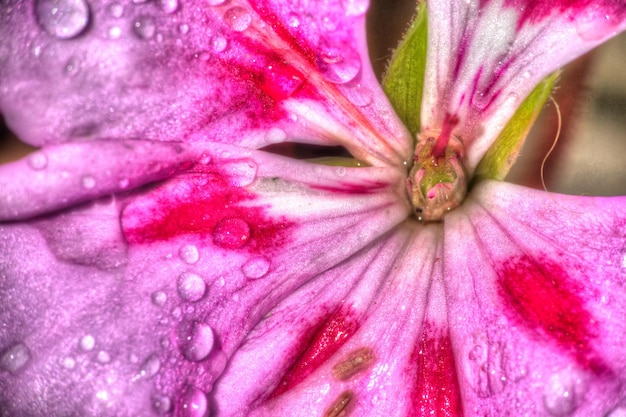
[[247, 73], [485, 57], [537, 308], [132, 305]]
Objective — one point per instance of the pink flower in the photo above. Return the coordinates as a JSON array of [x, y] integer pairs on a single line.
[[156, 260]]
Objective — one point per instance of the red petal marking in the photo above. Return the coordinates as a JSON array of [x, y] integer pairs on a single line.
[[436, 390], [540, 294], [199, 205], [317, 345]]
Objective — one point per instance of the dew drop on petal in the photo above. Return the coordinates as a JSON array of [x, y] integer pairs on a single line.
[[560, 392], [87, 343], [38, 161], [116, 10], [68, 363], [103, 357], [162, 404], [275, 135], [339, 65], [238, 18], [191, 287], [88, 182], [358, 95], [144, 27], [215, 2], [256, 267], [150, 367], [183, 28], [231, 233], [241, 172], [355, 7], [205, 159], [218, 43], [72, 67], [293, 20], [63, 19], [340, 171], [114, 32], [168, 6], [197, 345], [15, 358], [189, 254], [159, 298], [123, 183], [194, 403]]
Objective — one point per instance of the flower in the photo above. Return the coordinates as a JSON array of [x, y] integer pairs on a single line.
[[156, 260]]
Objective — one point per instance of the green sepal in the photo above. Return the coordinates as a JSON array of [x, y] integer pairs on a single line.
[[502, 154], [403, 81]]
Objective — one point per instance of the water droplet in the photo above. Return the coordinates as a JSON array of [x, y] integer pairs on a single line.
[[194, 403], [124, 183], [339, 65], [215, 2], [177, 312], [561, 393], [87, 343], [162, 404], [144, 27], [14, 359], [88, 182], [114, 32], [103, 357], [196, 341], [275, 135], [238, 18], [116, 10], [159, 298], [183, 28], [72, 67], [231, 233], [36, 50], [63, 19], [358, 95], [241, 172], [191, 287], [485, 368], [340, 171], [202, 56], [38, 160], [189, 254], [594, 24], [329, 24], [218, 43], [256, 267], [355, 7], [617, 412], [293, 20], [150, 367], [205, 159], [68, 363], [168, 6]]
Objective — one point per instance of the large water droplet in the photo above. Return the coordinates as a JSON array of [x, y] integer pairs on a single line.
[[241, 172], [150, 367], [116, 10], [355, 7], [168, 6], [231, 233], [144, 27], [38, 161], [275, 135], [191, 287], [189, 254], [87, 343], [238, 18], [218, 43], [561, 392], [197, 344], [159, 298], [256, 267], [194, 403], [63, 19], [14, 359], [358, 94], [594, 24], [339, 65], [162, 404]]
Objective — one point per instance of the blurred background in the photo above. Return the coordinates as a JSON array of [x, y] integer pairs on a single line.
[[589, 156]]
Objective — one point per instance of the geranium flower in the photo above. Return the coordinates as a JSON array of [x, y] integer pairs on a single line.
[[156, 260]]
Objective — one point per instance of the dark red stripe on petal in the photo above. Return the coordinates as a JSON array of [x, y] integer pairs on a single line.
[[208, 206], [436, 390], [317, 345], [540, 294]]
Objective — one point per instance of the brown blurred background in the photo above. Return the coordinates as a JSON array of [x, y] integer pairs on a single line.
[[588, 158]]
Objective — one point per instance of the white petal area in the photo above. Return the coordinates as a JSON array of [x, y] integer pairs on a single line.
[[485, 57], [375, 371], [536, 302]]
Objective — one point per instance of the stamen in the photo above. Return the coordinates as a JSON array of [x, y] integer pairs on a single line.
[[356, 361], [340, 407]]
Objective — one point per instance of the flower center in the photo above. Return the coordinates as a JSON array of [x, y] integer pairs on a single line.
[[437, 181]]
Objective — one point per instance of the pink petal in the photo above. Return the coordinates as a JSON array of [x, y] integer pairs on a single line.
[[133, 304], [246, 73], [485, 57], [537, 309]]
